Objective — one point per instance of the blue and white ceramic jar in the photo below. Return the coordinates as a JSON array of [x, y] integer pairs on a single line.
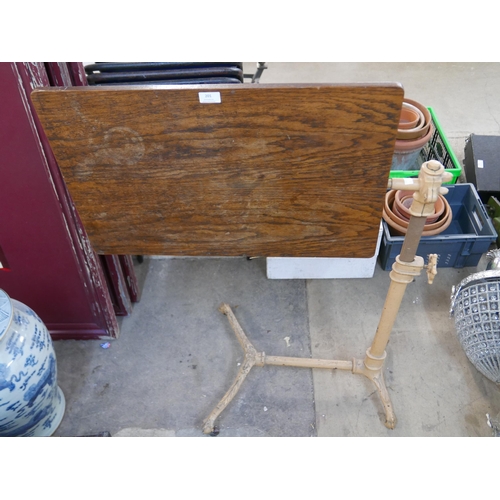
[[31, 403]]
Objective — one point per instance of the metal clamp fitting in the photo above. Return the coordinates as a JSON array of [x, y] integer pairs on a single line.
[[404, 272]]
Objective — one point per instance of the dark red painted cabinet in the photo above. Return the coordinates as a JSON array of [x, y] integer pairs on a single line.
[[47, 261]]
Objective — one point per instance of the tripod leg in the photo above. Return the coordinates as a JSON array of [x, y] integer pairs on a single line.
[[377, 377], [252, 358], [209, 423]]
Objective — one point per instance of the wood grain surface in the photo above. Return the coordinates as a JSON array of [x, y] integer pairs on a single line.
[[271, 170]]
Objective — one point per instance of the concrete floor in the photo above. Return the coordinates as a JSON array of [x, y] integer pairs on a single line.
[[177, 355]]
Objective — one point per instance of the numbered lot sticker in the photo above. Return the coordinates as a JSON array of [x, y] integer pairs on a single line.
[[209, 97]]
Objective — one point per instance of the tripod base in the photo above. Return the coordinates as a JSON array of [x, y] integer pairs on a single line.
[[370, 367]]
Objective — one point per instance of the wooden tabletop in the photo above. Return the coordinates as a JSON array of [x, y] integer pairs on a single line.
[[270, 170]]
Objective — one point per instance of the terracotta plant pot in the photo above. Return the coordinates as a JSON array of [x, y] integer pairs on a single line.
[[406, 152], [418, 131], [409, 118], [410, 145], [399, 226], [404, 199], [432, 218], [399, 214], [411, 140], [421, 122]]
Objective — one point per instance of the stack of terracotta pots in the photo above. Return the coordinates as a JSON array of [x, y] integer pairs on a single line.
[[414, 132], [397, 213]]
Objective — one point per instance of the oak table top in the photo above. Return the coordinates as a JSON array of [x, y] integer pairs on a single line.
[[226, 170]]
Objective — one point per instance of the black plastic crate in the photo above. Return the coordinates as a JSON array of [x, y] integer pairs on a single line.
[[462, 244], [482, 164]]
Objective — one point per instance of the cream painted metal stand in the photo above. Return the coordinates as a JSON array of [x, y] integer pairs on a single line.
[[427, 187]]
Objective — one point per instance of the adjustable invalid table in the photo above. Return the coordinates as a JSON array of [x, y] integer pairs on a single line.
[[255, 170]]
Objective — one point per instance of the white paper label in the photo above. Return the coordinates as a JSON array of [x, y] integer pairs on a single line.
[[209, 97], [480, 164], [408, 181]]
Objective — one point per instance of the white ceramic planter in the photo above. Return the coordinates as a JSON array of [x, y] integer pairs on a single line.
[[31, 403]]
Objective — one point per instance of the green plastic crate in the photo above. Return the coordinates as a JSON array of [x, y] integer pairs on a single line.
[[437, 148]]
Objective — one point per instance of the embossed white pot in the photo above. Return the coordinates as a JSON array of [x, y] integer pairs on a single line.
[[31, 403]]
